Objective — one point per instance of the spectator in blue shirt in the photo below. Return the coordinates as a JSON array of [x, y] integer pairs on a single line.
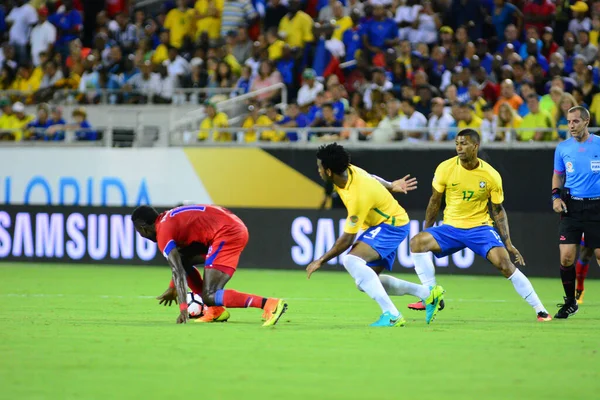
[[37, 127], [56, 120], [337, 101], [352, 38], [533, 50], [485, 58], [69, 25], [80, 117], [532, 33], [285, 66], [511, 36], [380, 32], [83, 129], [243, 84], [504, 14], [293, 118], [315, 111]]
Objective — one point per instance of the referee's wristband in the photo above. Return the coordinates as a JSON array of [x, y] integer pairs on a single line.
[[555, 194]]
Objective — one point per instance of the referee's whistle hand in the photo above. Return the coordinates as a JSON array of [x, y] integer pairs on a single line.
[[559, 206]]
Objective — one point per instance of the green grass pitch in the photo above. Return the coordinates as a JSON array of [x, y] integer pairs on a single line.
[[82, 332]]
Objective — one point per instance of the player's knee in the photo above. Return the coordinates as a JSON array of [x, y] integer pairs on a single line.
[[358, 287], [567, 259], [418, 244], [506, 267]]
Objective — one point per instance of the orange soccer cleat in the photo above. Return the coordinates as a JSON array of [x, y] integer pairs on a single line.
[[274, 309], [214, 314]]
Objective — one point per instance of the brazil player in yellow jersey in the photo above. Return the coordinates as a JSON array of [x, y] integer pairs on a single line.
[[469, 185], [371, 206]]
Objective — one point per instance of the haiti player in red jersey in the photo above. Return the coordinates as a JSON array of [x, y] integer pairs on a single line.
[[225, 235]]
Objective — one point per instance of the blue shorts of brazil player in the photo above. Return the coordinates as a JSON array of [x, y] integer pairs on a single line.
[[480, 239], [385, 239]]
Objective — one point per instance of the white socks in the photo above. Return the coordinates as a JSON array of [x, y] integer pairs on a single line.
[[398, 287], [424, 268], [368, 281], [526, 291]]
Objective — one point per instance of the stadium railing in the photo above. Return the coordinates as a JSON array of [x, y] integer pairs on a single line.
[[234, 107], [138, 135], [193, 96]]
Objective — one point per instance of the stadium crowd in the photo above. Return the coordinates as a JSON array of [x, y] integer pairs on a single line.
[[391, 69]]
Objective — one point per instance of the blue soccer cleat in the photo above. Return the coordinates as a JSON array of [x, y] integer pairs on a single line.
[[389, 320], [432, 302]]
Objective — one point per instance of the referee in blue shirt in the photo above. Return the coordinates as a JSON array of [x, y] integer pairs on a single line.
[[576, 196]]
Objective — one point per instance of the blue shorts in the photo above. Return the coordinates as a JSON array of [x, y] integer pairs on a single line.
[[385, 239], [480, 239]]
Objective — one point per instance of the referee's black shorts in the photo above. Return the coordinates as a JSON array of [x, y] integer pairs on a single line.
[[582, 217]]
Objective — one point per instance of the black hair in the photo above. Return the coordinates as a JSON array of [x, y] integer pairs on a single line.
[[334, 157], [328, 105], [144, 214], [471, 134]]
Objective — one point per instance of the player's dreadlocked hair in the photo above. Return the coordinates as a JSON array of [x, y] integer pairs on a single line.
[[144, 215], [334, 157], [471, 134]]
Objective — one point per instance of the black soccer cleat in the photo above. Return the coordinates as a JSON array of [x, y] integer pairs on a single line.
[[566, 310]]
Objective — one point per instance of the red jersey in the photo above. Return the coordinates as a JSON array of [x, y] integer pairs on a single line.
[[182, 226]]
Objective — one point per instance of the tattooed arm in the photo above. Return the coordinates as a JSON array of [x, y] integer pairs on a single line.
[[433, 208], [179, 280], [501, 224]]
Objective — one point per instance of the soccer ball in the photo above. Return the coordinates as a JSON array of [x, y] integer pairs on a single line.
[[195, 305]]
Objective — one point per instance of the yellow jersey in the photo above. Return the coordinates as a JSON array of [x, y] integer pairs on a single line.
[[368, 202], [180, 25], [275, 50], [298, 30], [250, 123], [160, 54], [474, 124], [208, 124], [468, 192], [341, 26], [210, 25], [16, 126]]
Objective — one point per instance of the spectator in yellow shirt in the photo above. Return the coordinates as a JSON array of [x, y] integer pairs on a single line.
[[252, 120], [342, 23], [208, 15], [161, 53], [507, 123], [6, 118], [212, 122], [467, 117], [296, 27], [26, 82], [180, 22], [475, 99], [537, 119], [19, 121], [276, 45], [272, 118]]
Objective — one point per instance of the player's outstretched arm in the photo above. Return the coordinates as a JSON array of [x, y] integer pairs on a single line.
[[501, 220], [340, 246], [403, 185], [433, 208], [180, 284]]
